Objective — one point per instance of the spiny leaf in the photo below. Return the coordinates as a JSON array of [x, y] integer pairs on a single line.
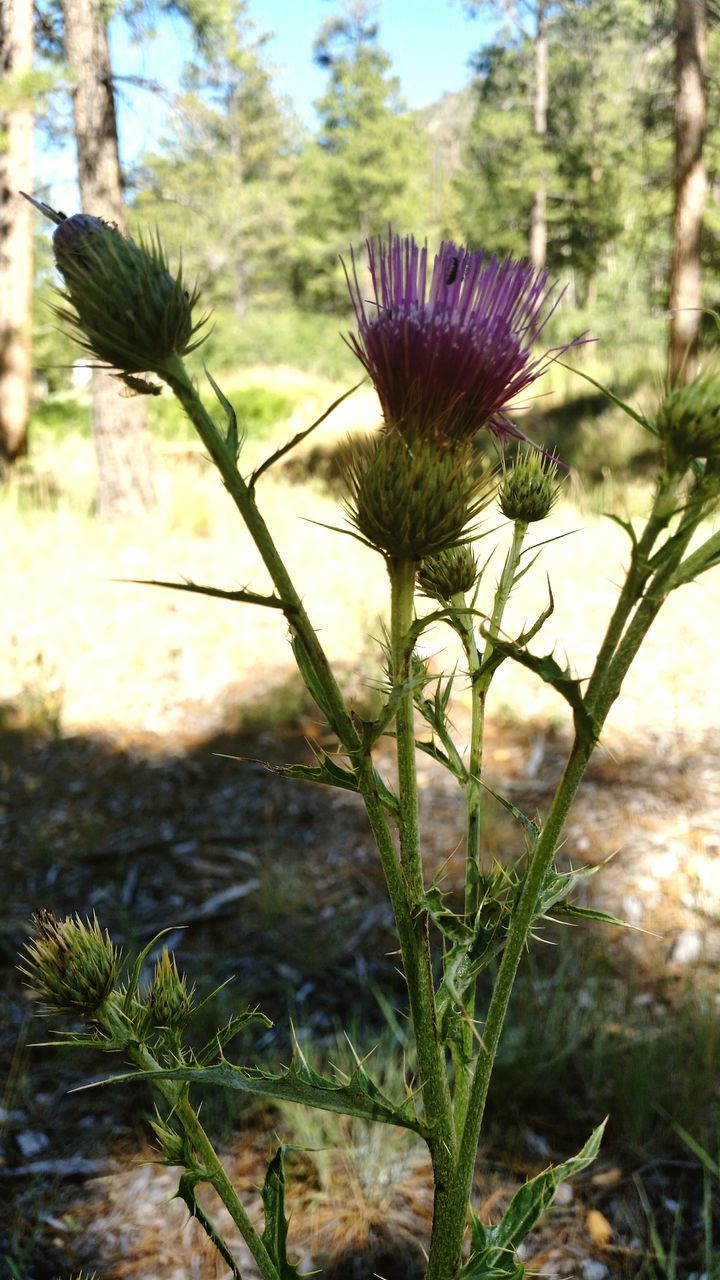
[[621, 404], [549, 670], [452, 763], [274, 1236], [624, 524], [186, 1193], [494, 1247], [326, 773], [357, 1096], [243, 597], [531, 827]]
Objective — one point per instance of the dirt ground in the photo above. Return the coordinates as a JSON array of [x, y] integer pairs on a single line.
[[119, 708]]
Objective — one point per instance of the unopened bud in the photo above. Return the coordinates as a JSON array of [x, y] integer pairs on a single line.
[[169, 1002], [449, 573], [529, 489], [72, 964], [688, 420], [128, 309], [412, 498]]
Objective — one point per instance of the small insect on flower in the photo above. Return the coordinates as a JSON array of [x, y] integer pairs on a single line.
[[452, 274]]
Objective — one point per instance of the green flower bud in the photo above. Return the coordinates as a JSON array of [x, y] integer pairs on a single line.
[[174, 1147], [71, 963], [169, 1003], [449, 573], [529, 489], [688, 420], [412, 498], [128, 310]]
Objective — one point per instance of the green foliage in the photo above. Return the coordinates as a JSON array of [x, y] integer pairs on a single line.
[[358, 175], [222, 186]]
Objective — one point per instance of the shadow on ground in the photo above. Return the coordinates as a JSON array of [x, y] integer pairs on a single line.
[[276, 884]]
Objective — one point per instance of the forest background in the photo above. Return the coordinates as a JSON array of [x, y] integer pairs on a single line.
[[576, 171], [113, 699]]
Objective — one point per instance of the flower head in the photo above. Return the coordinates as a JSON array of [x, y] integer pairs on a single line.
[[71, 962], [449, 348]]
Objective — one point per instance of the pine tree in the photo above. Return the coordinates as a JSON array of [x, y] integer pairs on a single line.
[[222, 186], [360, 173]]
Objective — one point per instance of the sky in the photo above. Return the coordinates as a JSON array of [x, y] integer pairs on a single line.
[[429, 42]]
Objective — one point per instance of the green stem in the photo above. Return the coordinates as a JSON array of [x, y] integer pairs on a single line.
[[637, 576], [616, 655], [481, 684], [402, 597], [474, 796], [334, 704], [212, 1166]]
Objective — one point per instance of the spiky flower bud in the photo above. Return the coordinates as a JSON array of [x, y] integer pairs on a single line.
[[169, 1002], [128, 309], [449, 573], [71, 962], [688, 420], [174, 1146], [412, 498], [529, 489]]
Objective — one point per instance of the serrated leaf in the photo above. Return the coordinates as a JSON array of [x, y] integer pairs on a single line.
[[453, 765], [550, 671], [494, 1247], [274, 1236], [186, 1193], [357, 1096], [218, 593]]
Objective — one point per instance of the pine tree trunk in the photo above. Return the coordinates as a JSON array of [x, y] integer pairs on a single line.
[[538, 217], [689, 189], [119, 425], [16, 246]]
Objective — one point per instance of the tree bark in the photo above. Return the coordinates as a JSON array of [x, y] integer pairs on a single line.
[[689, 190], [119, 425], [16, 245], [538, 217]]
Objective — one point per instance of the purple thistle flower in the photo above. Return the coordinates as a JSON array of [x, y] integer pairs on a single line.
[[449, 353]]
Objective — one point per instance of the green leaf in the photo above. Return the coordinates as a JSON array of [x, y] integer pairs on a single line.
[[530, 827], [186, 1193], [493, 1248], [453, 763], [559, 677], [624, 524], [274, 1236], [327, 772], [301, 435], [356, 1095], [233, 440], [242, 596], [621, 404], [310, 678]]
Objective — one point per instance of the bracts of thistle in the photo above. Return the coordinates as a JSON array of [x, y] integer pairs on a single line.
[[123, 304]]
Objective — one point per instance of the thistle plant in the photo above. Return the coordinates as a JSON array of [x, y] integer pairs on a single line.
[[449, 344]]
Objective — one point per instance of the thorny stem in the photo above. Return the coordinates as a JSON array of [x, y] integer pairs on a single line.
[[614, 659], [411, 924], [479, 690], [436, 1090]]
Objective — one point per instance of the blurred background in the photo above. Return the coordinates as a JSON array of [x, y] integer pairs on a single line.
[[262, 139]]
